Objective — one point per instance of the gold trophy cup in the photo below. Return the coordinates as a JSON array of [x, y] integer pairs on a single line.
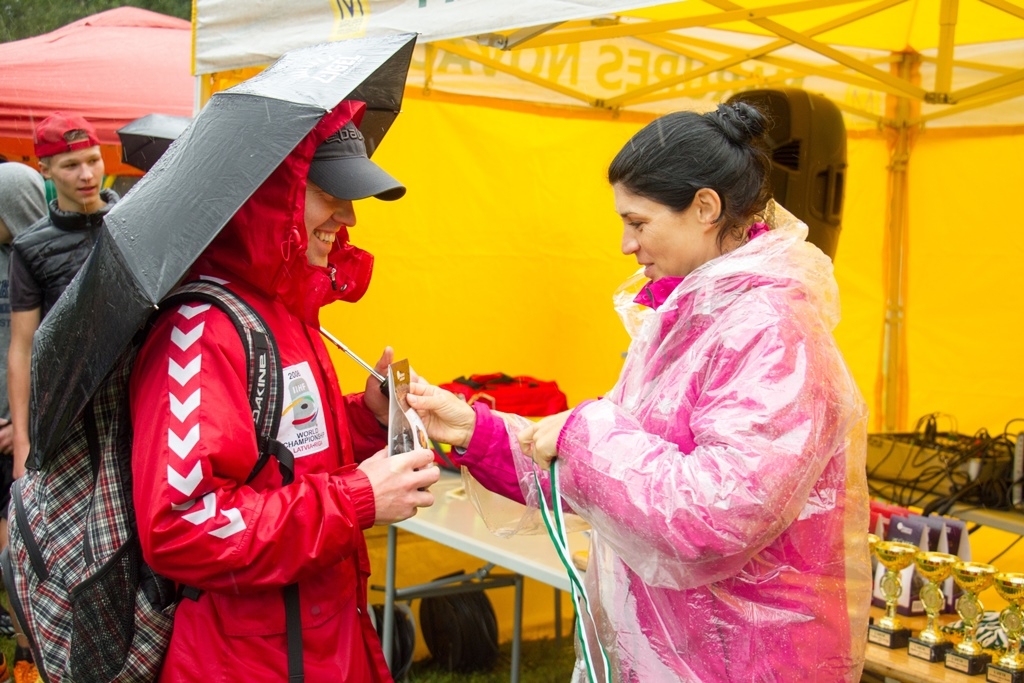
[[1010, 667], [931, 644], [973, 577], [895, 556]]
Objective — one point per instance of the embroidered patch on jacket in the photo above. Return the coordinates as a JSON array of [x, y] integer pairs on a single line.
[[303, 429]]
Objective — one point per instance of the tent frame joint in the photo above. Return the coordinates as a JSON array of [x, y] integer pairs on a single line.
[[514, 39], [939, 98], [495, 40]]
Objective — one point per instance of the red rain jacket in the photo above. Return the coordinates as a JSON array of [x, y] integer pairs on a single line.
[[194, 446]]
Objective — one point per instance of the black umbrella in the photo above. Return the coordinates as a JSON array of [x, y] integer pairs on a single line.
[[157, 231], [144, 140]]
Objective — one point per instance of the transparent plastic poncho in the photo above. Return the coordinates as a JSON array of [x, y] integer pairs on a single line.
[[723, 477]]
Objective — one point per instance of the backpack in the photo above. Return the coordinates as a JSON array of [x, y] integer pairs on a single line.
[[74, 573]]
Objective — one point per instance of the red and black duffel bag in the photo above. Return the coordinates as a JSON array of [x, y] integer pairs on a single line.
[[523, 395]]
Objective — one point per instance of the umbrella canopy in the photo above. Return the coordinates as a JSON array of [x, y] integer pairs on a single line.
[[110, 67], [158, 230], [144, 140]]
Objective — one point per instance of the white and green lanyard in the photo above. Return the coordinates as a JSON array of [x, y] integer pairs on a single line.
[[558, 535]]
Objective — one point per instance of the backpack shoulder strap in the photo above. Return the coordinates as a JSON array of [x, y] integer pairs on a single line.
[[265, 379], [263, 375]]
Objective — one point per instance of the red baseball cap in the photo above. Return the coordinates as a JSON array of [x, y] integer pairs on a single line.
[[60, 132]]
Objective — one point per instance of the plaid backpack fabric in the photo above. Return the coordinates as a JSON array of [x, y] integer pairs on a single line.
[[93, 610]]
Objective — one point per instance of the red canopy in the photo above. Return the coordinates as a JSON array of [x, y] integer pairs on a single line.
[[111, 68]]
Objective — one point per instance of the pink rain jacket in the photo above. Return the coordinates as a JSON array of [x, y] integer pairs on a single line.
[[723, 477]]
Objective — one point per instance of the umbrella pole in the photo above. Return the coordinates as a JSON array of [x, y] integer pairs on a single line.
[[337, 342], [334, 340]]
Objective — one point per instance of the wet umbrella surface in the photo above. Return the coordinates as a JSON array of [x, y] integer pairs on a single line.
[[157, 231], [145, 139]]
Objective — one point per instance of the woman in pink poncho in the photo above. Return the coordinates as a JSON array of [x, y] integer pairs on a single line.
[[723, 475]]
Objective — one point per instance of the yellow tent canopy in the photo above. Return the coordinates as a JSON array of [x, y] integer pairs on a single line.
[[505, 247]]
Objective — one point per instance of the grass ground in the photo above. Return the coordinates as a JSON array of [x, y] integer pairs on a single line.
[[7, 647], [541, 661]]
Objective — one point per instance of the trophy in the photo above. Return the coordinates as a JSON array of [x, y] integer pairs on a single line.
[[931, 644], [895, 556], [1010, 667], [973, 577]]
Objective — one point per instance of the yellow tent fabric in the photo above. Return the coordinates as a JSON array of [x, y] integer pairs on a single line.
[[900, 66], [914, 25], [505, 253]]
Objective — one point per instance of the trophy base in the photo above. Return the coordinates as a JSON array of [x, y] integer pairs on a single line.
[[930, 652], [972, 665], [894, 640], [999, 674]]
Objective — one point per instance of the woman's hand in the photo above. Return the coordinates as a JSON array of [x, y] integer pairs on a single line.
[[447, 417], [540, 440]]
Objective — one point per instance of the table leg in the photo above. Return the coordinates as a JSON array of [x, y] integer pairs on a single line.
[[389, 596], [558, 617], [517, 629]]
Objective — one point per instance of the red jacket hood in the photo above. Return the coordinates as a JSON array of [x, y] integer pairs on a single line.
[[264, 243]]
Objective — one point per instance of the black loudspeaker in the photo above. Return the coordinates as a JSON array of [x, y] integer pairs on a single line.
[[807, 141]]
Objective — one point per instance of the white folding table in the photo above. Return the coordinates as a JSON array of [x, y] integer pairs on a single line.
[[454, 522]]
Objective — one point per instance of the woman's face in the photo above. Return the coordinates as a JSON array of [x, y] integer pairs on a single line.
[[668, 243]]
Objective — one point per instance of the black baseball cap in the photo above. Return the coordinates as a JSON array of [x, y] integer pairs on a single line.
[[342, 169]]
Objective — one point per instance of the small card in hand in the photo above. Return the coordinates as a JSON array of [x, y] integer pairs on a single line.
[[405, 429]]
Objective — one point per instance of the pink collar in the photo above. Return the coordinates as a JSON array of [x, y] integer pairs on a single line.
[[656, 292]]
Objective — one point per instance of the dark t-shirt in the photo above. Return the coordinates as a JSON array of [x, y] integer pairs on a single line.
[[26, 294]]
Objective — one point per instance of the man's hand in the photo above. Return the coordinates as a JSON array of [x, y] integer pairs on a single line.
[[20, 455], [6, 437], [447, 417], [540, 440], [400, 483], [375, 401]]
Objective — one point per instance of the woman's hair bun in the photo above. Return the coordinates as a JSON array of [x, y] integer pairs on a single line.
[[740, 122]]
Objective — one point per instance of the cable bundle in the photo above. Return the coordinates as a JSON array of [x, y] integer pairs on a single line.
[[404, 637], [460, 630], [943, 468]]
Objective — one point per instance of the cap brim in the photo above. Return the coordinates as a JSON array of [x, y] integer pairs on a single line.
[[355, 178]]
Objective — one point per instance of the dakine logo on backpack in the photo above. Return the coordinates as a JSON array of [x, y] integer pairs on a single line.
[[73, 569]]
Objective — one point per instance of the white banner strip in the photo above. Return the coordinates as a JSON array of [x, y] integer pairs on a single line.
[[230, 34]]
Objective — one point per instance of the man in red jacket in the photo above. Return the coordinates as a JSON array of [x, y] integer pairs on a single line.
[[240, 544]]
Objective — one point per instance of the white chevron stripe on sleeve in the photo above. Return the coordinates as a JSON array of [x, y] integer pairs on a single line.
[[183, 374], [183, 340], [208, 511], [211, 278], [181, 409], [190, 312], [237, 524], [185, 485], [183, 446]]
